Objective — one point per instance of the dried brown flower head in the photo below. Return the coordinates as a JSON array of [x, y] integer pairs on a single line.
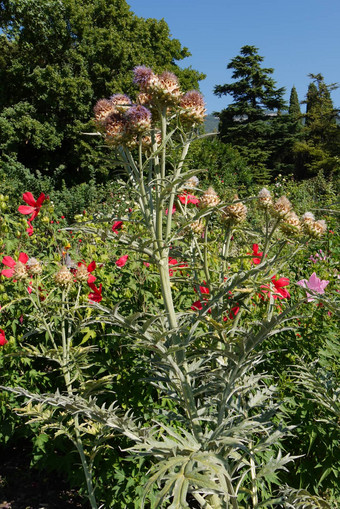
[[235, 213], [63, 277], [192, 107], [281, 207], [209, 199]]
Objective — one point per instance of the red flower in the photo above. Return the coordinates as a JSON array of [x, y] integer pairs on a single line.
[[122, 261], [118, 225], [30, 229], [198, 305], [34, 206], [173, 261], [232, 314], [186, 198], [256, 253], [203, 289], [278, 285], [96, 294], [90, 268], [8, 260], [3, 340]]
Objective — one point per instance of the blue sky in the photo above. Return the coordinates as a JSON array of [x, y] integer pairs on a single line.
[[295, 37]]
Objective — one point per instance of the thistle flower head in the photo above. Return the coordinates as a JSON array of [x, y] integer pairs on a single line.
[[20, 271], [34, 266], [146, 79], [138, 118], [102, 109], [291, 223], [191, 183], [209, 199], [120, 102], [265, 198], [318, 228], [82, 274], [115, 126], [192, 107], [63, 277], [197, 227], [281, 207], [235, 213], [144, 99], [308, 217], [169, 90]]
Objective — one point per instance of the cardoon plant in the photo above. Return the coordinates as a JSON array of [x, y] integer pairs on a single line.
[[218, 444]]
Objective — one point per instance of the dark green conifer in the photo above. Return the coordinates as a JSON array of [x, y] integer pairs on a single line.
[[294, 105]]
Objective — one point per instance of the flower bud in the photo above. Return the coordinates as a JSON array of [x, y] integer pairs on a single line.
[[197, 227]]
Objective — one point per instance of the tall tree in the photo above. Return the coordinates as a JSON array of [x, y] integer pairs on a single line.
[[57, 58], [320, 147], [253, 123], [294, 105]]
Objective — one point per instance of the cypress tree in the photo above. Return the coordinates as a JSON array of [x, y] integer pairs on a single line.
[[294, 105]]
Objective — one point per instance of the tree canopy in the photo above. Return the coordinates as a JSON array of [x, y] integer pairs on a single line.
[[254, 123], [57, 58]]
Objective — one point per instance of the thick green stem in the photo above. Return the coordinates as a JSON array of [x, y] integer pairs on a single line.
[[254, 496]]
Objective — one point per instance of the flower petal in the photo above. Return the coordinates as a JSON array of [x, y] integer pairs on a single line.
[[8, 260], [40, 200], [29, 199], [7, 272], [24, 209], [23, 258]]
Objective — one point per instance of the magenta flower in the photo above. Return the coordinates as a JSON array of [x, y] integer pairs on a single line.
[[314, 284]]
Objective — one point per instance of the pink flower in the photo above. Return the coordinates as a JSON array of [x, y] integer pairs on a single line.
[[9, 262], [186, 198], [118, 225], [172, 212], [122, 261], [96, 294], [33, 206], [314, 284], [280, 292], [3, 340]]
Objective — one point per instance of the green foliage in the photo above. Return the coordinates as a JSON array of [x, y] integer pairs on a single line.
[[254, 123], [319, 147], [57, 59], [163, 370], [294, 105]]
